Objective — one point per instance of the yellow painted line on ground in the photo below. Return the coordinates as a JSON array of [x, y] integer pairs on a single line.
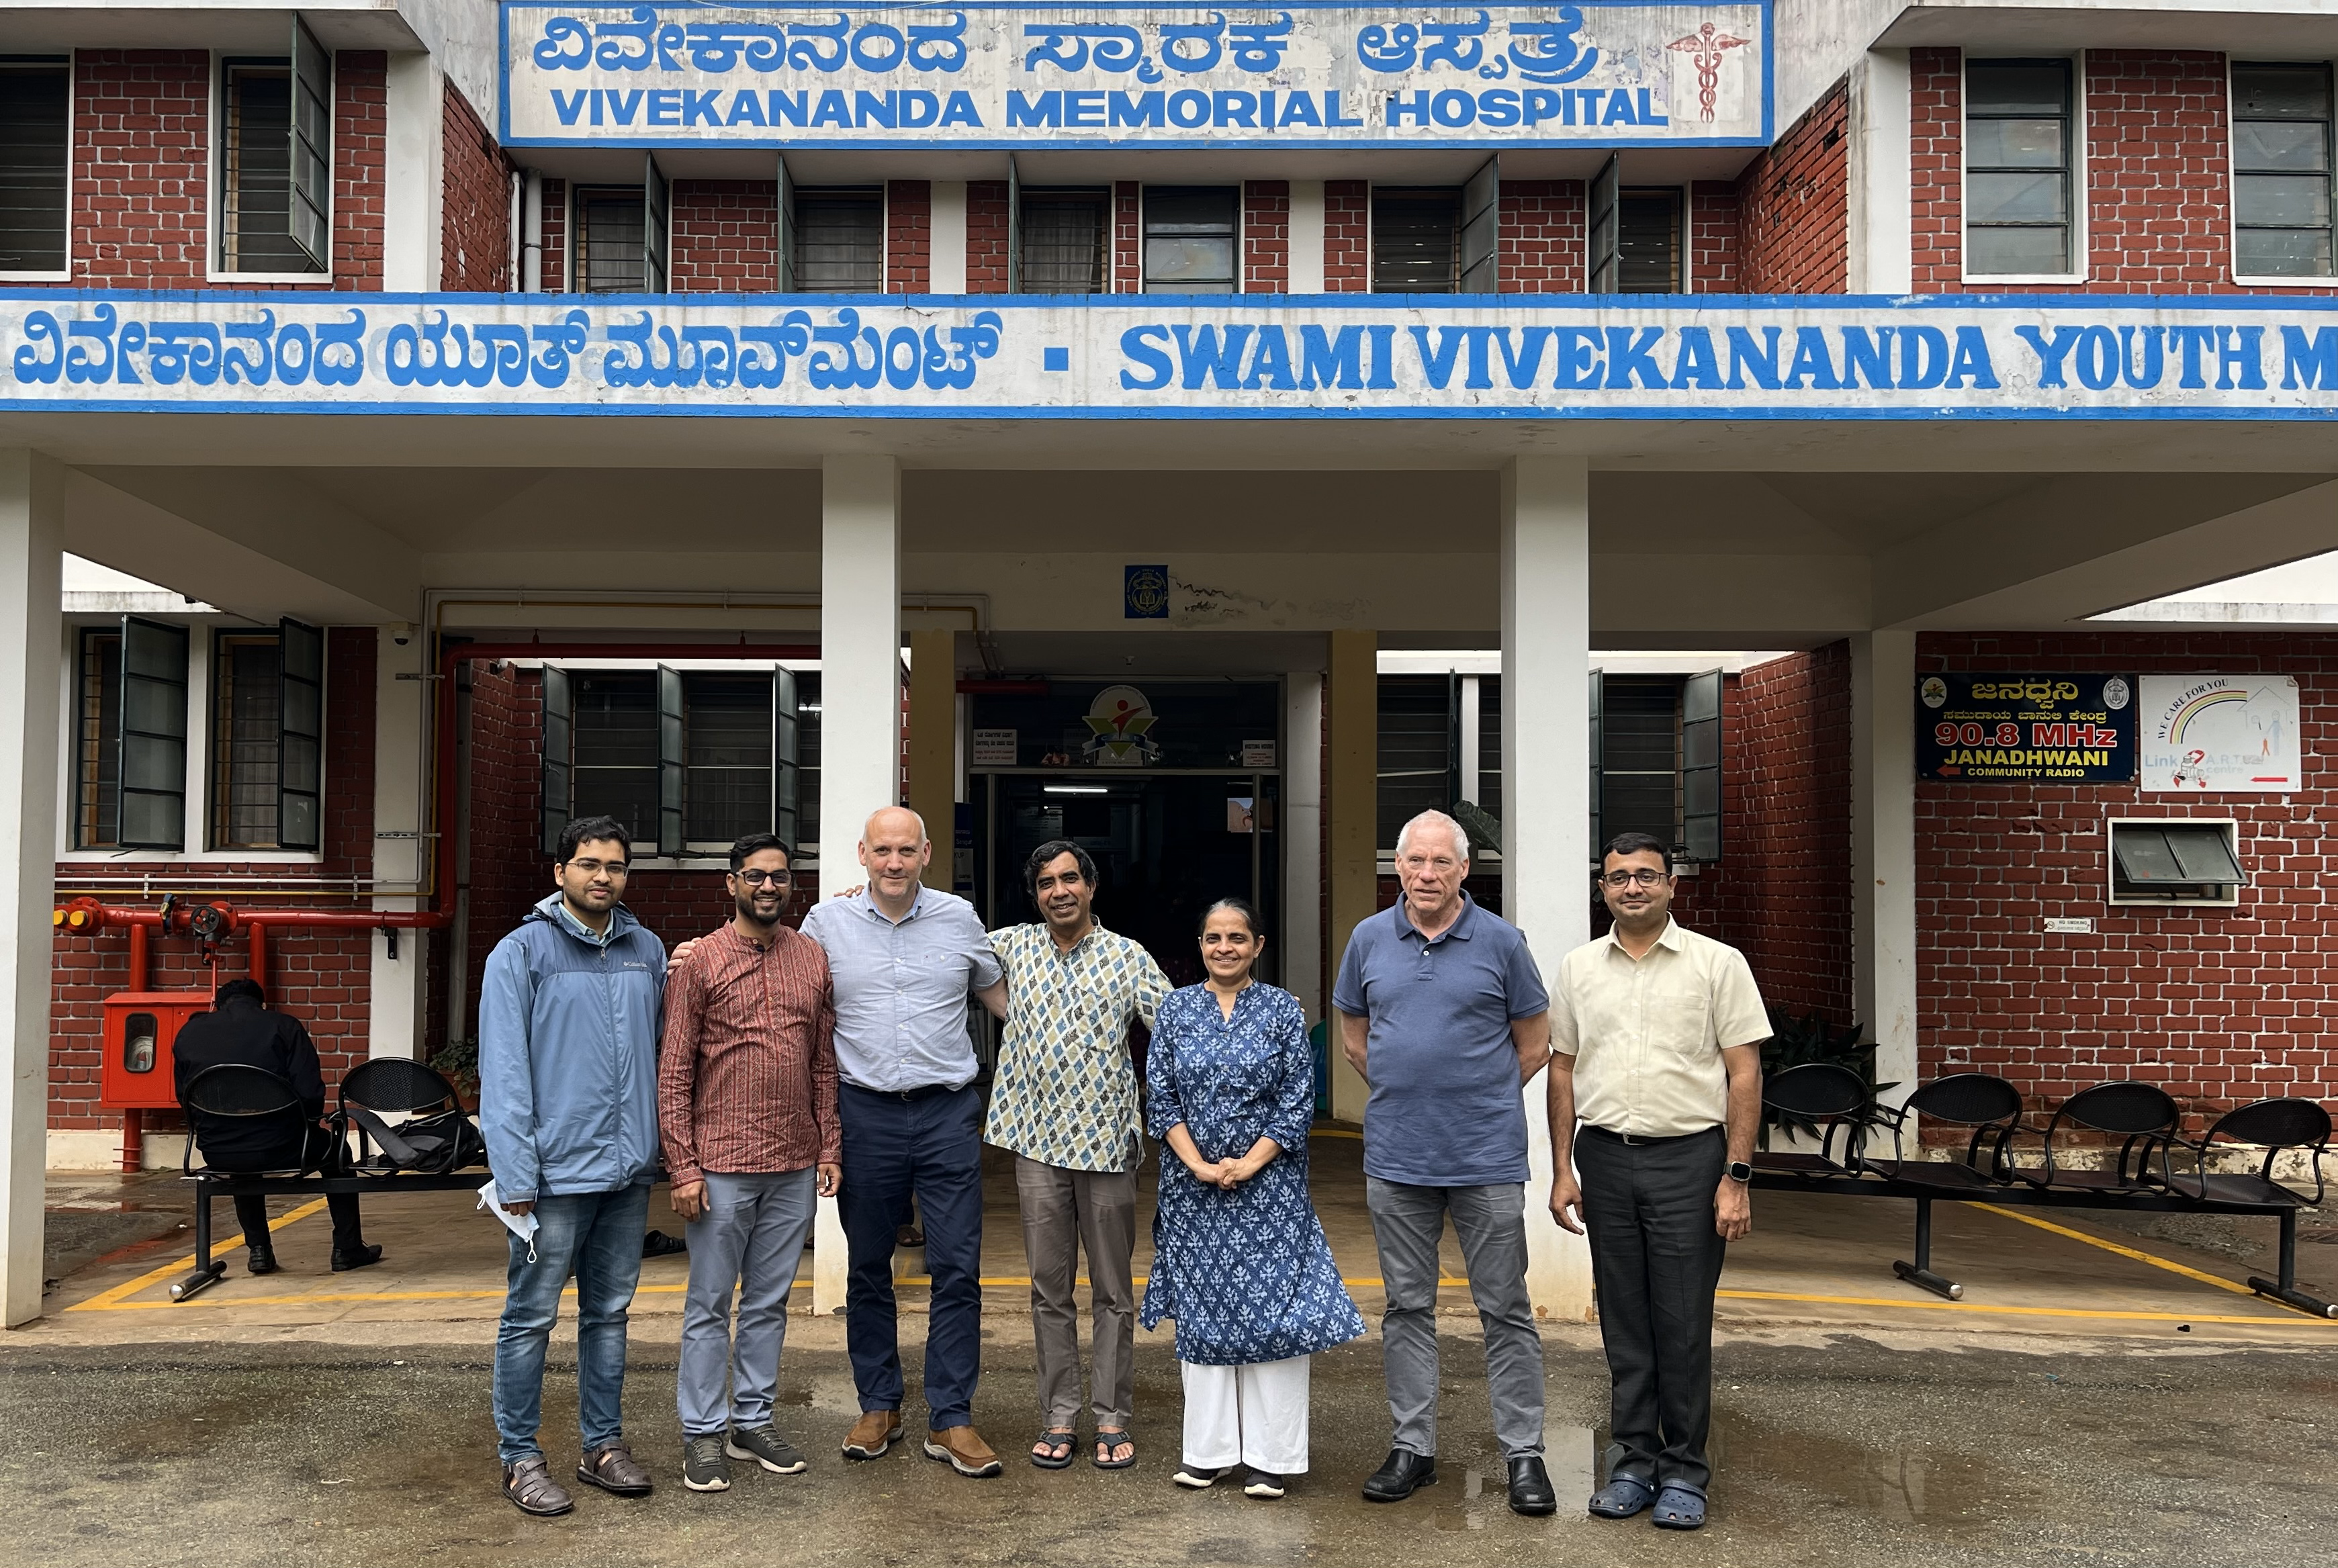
[[2141, 1256], [105, 1300], [2287, 1319]]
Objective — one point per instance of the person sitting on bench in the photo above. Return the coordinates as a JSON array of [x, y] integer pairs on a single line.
[[241, 1029]]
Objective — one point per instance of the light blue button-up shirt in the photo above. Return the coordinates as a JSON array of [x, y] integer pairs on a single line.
[[901, 988]]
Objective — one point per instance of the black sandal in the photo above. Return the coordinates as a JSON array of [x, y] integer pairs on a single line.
[[1109, 1438], [1055, 1438]]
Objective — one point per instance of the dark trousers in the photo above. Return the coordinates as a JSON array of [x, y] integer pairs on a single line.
[[348, 1236], [928, 1146], [1655, 1260]]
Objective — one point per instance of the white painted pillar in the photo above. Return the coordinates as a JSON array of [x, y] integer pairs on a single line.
[[413, 175], [1881, 218], [1306, 262], [860, 711], [32, 633], [1546, 524], [395, 994], [946, 239], [1883, 849], [1303, 843]]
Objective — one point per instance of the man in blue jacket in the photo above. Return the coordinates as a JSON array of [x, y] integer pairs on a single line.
[[568, 1037]]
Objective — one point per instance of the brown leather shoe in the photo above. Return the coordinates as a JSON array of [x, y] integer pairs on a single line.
[[963, 1450], [876, 1432]]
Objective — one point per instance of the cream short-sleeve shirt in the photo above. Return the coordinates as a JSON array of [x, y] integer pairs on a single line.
[[1647, 1034]]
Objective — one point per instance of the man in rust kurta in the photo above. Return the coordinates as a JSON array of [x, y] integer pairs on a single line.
[[747, 1113]]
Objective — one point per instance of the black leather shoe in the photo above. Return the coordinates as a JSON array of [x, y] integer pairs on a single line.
[[1530, 1488], [1404, 1473], [363, 1257], [262, 1260]]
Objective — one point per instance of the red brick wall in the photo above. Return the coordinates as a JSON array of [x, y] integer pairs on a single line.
[[1542, 236], [1128, 238], [985, 236], [908, 237], [507, 869], [361, 159], [2221, 1006], [555, 234], [726, 236], [474, 204], [1715, 265], [320, 977], [1936, 162], [1792, 206], [1347, 237], [1266, 236]]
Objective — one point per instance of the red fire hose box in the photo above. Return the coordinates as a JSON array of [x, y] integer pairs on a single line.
[[135, 1071]]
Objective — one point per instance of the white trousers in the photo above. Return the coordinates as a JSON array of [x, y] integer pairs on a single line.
[[1255, 1415]]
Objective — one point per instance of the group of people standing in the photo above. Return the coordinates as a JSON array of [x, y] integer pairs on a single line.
[[769, 1067]]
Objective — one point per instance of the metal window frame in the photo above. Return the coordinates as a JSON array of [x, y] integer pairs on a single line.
[[219, 159], [1066, 195], [2074, 130], [1145, 231], [578, 243], [1603, 230], [1478, 243], [300, 753], [309, 195], [657, 227], [85, 745], [2234, 173], [787, 226], [64, 65], [1599, 765], [557, 800], [171, 675], [2121, 891], [672, 762], [1677, 195], [1703, 704]]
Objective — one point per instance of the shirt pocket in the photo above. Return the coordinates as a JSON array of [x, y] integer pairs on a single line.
[[1679, 1018]]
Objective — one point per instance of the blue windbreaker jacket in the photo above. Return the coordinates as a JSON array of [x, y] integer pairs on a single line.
[[568, 1043]]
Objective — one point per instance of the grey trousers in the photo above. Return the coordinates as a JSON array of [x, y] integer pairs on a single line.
[[750, 1238], [1065, 1212], [1655, 1261], [1408, 1222]]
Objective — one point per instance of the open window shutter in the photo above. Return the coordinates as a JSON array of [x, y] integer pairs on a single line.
[[1014, 227], [1606, 199], [152, 780], [674, 760], [656, 205], [299, 737], [1599, 765], [786, 231], [559, 751], [1701, 765], [786, 780], [1481, 230], [312, 144]]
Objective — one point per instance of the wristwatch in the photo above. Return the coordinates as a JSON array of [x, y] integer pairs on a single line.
[[1740, 1172]]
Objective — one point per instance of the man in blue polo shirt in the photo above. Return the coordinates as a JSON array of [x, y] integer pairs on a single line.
[[1443, 1013]]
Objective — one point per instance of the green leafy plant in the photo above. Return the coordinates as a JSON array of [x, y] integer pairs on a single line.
[[460, 1060], [1797, 1041]]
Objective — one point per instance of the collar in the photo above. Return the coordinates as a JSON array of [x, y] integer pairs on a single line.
[[779, 939], [567, 917], [1669, 938], [1048, 937], [1463, 926], [865, 900]]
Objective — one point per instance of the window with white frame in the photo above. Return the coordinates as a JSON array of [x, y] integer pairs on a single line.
[[1192, 234], [275, 168], [267, 740], [2282, 165], [2019, 169], [36, 117]]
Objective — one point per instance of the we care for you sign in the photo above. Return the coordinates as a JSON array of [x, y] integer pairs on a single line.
[[2220, 734]]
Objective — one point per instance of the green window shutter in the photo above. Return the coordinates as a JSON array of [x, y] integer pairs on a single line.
[[559, 751], [1014, 227], [787, 229], [1606, 227], [1701, 743], [151, 781], [786, 769], [1481, 230], [674, 760], [656, 204], [300, 736], [309, 213], [1598, 766]]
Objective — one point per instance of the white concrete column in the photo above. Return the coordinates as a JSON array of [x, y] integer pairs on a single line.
[[395, 994], [946, 237], [1545, 522], [1306, 262], [1883, 849], [414, 176], [860, 711], [31, 635], [1303, 843], [1882, 219]]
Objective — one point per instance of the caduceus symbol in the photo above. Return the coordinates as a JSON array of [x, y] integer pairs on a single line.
[[1706, 45]]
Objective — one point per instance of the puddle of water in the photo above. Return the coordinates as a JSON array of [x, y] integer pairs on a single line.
[[1483, 1495], [1900, 1482]]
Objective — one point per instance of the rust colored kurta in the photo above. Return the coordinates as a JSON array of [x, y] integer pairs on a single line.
[[747, 1072]]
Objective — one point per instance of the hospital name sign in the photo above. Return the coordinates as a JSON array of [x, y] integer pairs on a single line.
[[789, 75], [1134, 357]]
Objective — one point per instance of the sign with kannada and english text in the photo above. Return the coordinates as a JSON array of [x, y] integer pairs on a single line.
[[802, 75], [2220, 734], [2003, 729]]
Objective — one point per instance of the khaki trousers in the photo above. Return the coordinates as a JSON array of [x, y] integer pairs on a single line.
[[1065, 1212]]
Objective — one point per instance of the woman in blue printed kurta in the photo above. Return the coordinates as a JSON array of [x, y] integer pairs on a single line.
[[1240, 1259]]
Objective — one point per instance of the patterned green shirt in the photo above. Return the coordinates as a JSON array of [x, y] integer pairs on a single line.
[[1065, 1090]]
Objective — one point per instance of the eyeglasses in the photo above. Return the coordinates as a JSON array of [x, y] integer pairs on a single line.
[[757, 877], [594, 868], [1643, 874]]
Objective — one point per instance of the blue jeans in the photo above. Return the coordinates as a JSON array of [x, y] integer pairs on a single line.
[[597, 1237], [751, 1239], [931, 1146]]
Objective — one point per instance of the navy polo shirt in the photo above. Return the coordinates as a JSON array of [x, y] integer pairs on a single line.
[[1445, 1108]]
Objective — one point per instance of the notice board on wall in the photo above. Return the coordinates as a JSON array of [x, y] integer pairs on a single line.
[[2220, 734], [1993, 727]]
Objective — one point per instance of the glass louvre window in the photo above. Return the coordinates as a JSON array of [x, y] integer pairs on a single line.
[[616, 740], [245, 727], [808, 760], [1648, 241], [1064, 241], [2018, 168], [34, 109], [1640, 762], [609, 228], [255, 170], [1415, 750], [97, 743], [2282, 170], [729, 788], [1189, 239], [1415, 241], [840, 240]]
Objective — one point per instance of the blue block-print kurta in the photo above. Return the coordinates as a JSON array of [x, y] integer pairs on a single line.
[[1247, 1274]]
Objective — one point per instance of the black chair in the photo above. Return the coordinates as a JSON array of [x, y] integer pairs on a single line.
[[2143, 1115], [1818, 1096], [235, 1106], [2277, 1126], [437, 1133], [1989, 1105]]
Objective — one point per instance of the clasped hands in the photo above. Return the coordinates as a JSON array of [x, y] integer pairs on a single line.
[[1226, 1175]]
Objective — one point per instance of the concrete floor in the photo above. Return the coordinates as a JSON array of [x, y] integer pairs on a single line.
[[2081, 1405]]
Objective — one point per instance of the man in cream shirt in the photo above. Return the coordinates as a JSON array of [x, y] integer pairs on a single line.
[[1656, 1035]]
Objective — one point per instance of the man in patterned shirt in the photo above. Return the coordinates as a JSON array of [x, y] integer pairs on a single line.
[[1065, 1102]]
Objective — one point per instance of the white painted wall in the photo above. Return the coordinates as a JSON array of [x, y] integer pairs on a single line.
[[1883, 849], [413, 174], [1882, 217], [946, 243], [1307, 236], [394, 1017], [1302, 842]]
